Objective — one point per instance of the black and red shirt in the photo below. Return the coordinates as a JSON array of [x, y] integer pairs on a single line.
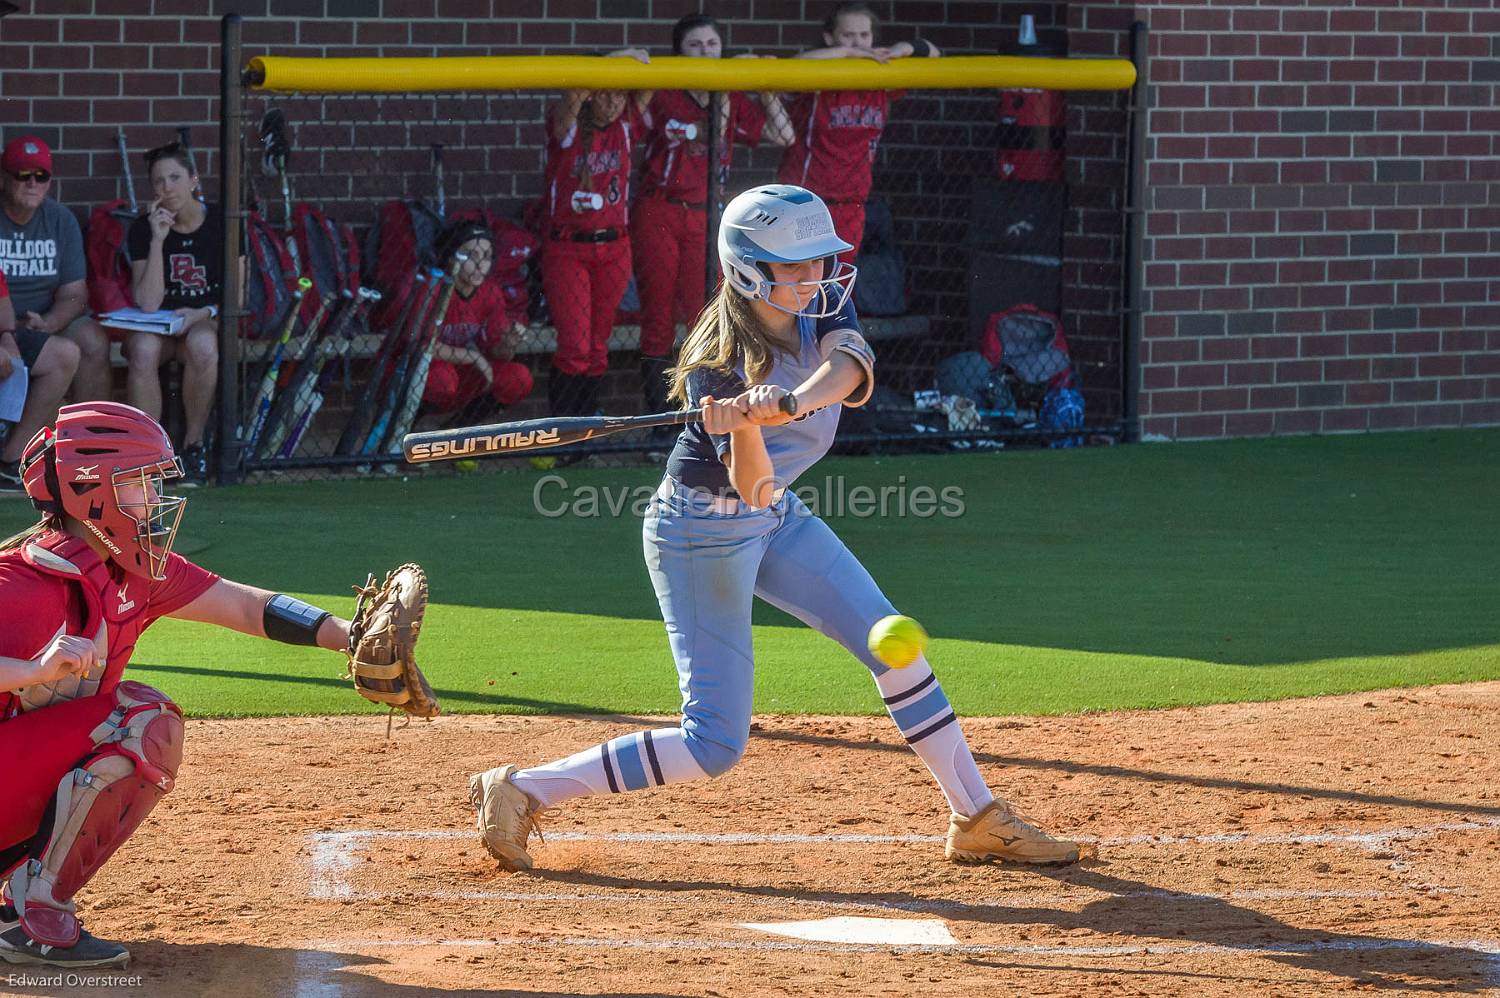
[[192, 262]]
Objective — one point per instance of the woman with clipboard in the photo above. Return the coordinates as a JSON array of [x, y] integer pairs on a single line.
[[175, 266]]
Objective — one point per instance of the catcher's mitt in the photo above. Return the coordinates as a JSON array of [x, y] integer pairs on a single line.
[[382, 638]]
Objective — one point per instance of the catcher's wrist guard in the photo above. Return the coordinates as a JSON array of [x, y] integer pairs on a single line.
[[292, 621]]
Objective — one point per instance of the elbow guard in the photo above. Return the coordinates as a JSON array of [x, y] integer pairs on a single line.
[[852, 343], [292, 621]]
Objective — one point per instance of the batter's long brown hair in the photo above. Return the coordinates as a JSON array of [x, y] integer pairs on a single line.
[[725, 333]]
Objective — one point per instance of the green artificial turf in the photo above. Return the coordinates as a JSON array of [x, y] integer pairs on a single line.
[[1074, 580]]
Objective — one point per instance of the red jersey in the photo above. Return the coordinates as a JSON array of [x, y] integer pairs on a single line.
[[4, 288], [480, 321], [835, 137], [589, 188], [56, 584], [676, 161]]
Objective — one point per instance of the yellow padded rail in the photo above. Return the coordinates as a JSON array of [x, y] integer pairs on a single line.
[[555, 72]]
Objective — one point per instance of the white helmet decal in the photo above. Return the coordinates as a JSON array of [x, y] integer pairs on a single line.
[[779, 223]]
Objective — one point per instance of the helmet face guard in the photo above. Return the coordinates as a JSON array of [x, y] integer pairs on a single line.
[[833, 289], [105, 465], [779, 223], [156, 514]]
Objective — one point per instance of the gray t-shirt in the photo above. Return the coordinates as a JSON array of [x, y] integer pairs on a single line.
[[40, 256]]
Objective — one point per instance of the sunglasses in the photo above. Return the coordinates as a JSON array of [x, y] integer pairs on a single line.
[[40, 176]]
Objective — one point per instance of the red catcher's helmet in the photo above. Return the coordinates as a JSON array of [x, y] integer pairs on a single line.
[[104, 465]]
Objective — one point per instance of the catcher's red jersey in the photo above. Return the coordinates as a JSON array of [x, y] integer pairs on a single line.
[[588, 174], [481, 320], [57, 584], [676, 160], [836, 134]]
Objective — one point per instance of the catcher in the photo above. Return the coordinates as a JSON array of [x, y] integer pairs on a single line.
[[87, 753]]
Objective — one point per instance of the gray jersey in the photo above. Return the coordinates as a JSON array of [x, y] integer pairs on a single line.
[[40, 256], [698, 458]]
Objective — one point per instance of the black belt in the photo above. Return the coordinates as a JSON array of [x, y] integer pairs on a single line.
[[589, 236]]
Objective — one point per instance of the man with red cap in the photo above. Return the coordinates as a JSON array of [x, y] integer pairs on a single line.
[[41, 255]]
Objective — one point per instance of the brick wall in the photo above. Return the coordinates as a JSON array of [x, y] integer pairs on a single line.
[[151, 66], [1323, 236]]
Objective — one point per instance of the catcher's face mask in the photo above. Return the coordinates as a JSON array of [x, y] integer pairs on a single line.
[[139, 495]]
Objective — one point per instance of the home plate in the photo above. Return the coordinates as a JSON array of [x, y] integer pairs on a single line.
[[874, 931]]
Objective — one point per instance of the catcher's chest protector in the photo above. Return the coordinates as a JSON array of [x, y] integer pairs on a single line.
[[114, 616]]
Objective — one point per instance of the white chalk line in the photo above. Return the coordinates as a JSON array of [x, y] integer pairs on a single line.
[[332, 853], [1480, 947], [1373, 838], [1031, 900]]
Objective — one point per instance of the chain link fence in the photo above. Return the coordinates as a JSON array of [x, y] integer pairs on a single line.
[[486, 257]]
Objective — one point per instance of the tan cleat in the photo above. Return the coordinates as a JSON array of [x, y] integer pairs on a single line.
[[506, 816], [998, 832]]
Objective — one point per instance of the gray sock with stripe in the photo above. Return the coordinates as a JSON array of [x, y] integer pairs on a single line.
[[631, 762], [926, 720]]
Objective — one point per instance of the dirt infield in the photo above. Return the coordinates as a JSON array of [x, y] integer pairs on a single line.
[[1308, 847]]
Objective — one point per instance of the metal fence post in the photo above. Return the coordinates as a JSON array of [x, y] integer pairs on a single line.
[[230, 443], [1135, 237], [716, 99]]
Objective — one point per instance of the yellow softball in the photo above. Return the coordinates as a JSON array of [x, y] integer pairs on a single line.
[[897, 640]]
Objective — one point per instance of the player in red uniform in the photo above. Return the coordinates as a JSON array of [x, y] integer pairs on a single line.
[[585, 252], [837, 131], [475, 356], [669, 220], [87, 754]]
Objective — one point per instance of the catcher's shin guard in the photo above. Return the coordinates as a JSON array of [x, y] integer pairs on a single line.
[[98, 805]]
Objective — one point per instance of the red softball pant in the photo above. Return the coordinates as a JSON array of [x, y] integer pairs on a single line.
[[849, 223], [39, 748], [667, 240], [452, 386], [584, 283]]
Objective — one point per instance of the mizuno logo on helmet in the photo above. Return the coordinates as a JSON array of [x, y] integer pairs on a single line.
[[87, 474]]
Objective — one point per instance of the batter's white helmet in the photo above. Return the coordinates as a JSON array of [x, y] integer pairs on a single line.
[[779, 223]]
